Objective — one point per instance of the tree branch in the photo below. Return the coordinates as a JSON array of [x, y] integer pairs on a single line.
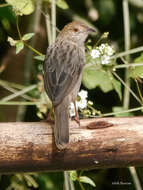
[[98, 143]]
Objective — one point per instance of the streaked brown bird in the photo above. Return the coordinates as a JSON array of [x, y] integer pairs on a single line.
[[62, 75]]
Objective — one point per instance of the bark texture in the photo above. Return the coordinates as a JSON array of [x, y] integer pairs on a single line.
[[97, 143]]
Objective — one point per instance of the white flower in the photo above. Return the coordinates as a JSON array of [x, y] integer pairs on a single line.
[[83, 94], [109, 50], [82, 103], [103, 52], [105, 59], [95, 53], [72, 109], [102, 47]]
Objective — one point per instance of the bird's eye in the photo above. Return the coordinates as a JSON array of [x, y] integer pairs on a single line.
[[76, 29]]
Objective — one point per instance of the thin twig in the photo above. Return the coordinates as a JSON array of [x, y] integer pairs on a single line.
[[33, 49], [4, 83], [116, 113], [19, 93], [122, 66], [20, 36], [53, 16], [7, 87], [48, 18], [48, 26], [66, 181], [82, 187], [128, 52], [126, 99], [12, 103], [139, 91], [18, 30], [127, 65], [135, 178], [71, 184], [126, 86]]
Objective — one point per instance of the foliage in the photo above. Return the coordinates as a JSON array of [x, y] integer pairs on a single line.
[[19, 44], [94, 77], [24, 7], [22, 181], [81, 179], [62, 4], [136, 72]]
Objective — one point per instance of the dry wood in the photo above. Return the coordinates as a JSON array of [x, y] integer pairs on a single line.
[[98, 143]]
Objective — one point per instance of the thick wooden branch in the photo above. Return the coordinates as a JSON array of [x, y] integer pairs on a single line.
[[98, 143]]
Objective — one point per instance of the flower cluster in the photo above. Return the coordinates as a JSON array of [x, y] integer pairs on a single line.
[[81, 102], [102, 53]]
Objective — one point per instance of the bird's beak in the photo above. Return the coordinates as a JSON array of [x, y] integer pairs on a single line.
[[92, 30]]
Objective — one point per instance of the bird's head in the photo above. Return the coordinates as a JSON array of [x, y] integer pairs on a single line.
[[76, 32]]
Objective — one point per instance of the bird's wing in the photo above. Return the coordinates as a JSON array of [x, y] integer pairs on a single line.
[[62, 68]]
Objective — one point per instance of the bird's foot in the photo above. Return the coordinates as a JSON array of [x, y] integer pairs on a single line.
[[50, 117], [49, 120], [76, 119]]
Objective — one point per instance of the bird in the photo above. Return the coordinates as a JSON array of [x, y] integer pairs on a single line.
[[63, 65]]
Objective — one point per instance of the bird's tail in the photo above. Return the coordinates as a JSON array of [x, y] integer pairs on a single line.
[[61, 128]]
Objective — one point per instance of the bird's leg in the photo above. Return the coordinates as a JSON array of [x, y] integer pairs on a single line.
[[50, 117], [76, 118]]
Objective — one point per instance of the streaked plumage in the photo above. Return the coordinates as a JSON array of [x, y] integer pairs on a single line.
[[62, 75]]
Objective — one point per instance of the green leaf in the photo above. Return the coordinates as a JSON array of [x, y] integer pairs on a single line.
[[40, 57], [62, 4], [73, 175], [19, 46], [22, 7], [93, 77], [28, 36], [85, 179], [117, 87], [135, 72], [139, 59]]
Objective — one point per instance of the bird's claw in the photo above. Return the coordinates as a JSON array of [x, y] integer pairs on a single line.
[[76, 119]]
